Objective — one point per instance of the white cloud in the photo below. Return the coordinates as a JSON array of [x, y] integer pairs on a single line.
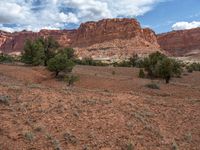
[[37, 14], [185, 25]]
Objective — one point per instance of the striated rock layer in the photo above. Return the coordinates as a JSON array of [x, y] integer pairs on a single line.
[[106, 38], [181, 43]]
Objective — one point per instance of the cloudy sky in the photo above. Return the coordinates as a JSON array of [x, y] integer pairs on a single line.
[[160, 15]]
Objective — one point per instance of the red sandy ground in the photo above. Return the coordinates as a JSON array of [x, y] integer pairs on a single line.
[[101, 112]]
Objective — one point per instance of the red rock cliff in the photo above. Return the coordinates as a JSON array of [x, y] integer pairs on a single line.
[[105, 38], [181, 43]]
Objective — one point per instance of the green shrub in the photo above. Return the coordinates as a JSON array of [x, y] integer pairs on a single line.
[[133, 61], [71, 79], [4, 99], [193, 67], [4, 58], [158, 65], [122, 64], [90, 62], [153, 86], [141, 73], [29, 136], [60, 63]]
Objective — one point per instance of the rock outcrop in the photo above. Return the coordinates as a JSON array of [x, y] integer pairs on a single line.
[[181, 43], [106, 38]]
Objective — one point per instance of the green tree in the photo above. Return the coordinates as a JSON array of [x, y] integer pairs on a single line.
[[60, 62], [39, 51], [50, 45], [158, 65], [28, 53], [151, 62]]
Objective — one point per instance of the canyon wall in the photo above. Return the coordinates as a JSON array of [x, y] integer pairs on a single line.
[[181, 43], [106, 38]]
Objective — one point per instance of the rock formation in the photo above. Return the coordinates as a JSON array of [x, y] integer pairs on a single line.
[[107, 38], [181, 43]]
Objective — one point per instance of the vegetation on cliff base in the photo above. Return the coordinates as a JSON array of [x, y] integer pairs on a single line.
[[6, 58]]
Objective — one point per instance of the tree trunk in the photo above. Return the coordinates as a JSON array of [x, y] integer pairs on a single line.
[[57, 72], [167, 79]]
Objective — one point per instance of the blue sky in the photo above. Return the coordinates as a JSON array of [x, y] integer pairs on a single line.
[[165, 15], [160, 15]]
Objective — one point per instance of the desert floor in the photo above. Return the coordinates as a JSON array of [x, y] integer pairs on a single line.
[[107, 109]]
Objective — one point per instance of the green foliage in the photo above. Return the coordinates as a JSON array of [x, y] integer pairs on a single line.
[[153, 86], [151, 62], [158, 65], [61, 62], [29, 136], [69, 52], [4, 99], [193, 67], [6, 58], [71, 79], [141, 73], [90, 62], [133, 61], [39, 51], [122, 64]]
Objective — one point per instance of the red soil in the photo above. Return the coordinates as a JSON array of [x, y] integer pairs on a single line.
[[101, 112]]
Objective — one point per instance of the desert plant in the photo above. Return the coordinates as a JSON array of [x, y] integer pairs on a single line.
[[113, 72], [153, 86], [29, 136], [124, 63], [4, 99], [4, 58], [175, 146], [71, 79], [141, 73], [158, 65], [193, 67], [39, 51], [134, 60], [90, 62], [60, 63]]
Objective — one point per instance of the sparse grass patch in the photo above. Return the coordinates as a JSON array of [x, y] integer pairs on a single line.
[[56, 144], [29, 136], [175, 146], [5, 99], [153, 86], [48, 136], [69, 138], [188, 137], [113, 73], [35, 86], [130, 146], [142, 115]]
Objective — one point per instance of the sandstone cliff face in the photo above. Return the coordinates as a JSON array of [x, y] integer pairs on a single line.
[[181, 43], [3, 37], [108, 37]]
